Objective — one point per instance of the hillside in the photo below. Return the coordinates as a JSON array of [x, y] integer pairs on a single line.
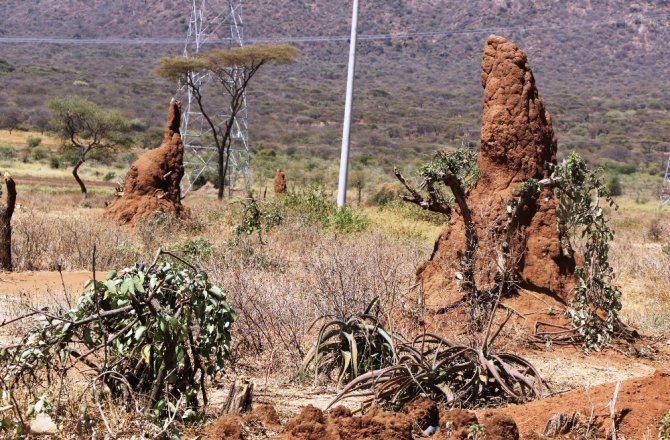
[[601, 68]]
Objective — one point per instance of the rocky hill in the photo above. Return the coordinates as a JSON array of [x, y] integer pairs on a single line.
[[601, 68]]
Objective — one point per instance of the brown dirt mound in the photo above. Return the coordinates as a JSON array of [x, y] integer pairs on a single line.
[[262, 419], [639, 409], [152, 183], [517, 140], [313, 424], [280, 183]]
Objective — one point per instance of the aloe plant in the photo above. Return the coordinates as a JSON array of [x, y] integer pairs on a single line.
[[455, 375], [350, 346]]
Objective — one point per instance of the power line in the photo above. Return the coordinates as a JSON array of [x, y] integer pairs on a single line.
[[324, 38]]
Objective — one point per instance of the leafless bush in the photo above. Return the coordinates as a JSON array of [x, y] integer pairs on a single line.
[[46, 241], [281, 288]]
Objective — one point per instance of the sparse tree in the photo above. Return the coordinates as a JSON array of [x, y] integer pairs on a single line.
[[83, 126], [11, 119], [39, 119], [232, 69]]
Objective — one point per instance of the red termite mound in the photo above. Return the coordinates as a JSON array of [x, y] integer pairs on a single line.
[[152, 183], [280, 183], [517, 142]]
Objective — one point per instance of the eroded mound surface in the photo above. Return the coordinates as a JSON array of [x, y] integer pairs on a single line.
[[517, 142], [639, 409], [152, 183]]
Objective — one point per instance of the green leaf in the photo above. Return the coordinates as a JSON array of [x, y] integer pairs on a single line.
[[139, 332], [128, 285]]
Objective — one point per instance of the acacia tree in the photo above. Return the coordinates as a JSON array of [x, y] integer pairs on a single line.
[[84, 126], [233, 69]]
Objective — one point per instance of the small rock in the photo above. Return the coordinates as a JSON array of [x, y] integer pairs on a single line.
[[43, 425]]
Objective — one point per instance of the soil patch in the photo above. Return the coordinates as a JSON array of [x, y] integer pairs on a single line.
[[639, 409]]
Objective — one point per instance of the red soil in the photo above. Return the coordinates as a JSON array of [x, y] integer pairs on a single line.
[[639, 409]]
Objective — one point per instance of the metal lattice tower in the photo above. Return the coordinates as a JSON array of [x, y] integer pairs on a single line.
[[665, 188], [214, 24]]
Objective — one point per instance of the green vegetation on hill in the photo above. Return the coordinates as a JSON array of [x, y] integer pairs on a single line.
[[600, 69]]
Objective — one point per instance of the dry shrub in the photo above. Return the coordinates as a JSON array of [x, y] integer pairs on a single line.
[[49, 241], [304, 272], [642, 272]]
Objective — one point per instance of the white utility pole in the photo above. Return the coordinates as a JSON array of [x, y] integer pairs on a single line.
[[344, 159]]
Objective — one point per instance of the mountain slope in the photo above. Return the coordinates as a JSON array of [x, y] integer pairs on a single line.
[[601, 68]]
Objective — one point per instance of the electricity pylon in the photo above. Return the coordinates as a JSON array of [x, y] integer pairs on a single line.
[[213, 24]]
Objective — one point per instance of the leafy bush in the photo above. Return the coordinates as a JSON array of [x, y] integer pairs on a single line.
[[7, 152], [350, 346], [152, 334], [346, 220], [614, 186], [386, 193], [39, 153], [309, 206], [33, 141], [109, 176], [312, 206], [196, 249], [597, 301], [54, 162]]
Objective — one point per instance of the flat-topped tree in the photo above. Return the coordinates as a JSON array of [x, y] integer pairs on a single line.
[[233, 69], [84, 126]]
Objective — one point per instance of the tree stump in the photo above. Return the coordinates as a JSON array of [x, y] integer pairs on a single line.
[[239, 397], [6, 212]]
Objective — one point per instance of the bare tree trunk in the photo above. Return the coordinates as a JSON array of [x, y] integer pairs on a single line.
[[225, 171], [222, 173], [78, 179], [6, 213]]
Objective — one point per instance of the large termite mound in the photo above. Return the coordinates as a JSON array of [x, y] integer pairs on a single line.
[[517, 143], [152, 183]]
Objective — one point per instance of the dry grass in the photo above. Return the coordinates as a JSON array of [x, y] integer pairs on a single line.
[[19, 138], [640, 255], [303, 272]]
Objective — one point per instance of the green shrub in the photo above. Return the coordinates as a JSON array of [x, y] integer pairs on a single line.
[[166, 329], [54, 162], [347, 220], [614, 186], [7, 152], [39, 153], [195, 250], [33, 142], [109, 176], [386, 193]]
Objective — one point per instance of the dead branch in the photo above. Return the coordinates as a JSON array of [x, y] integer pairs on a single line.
[[434, 203]]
